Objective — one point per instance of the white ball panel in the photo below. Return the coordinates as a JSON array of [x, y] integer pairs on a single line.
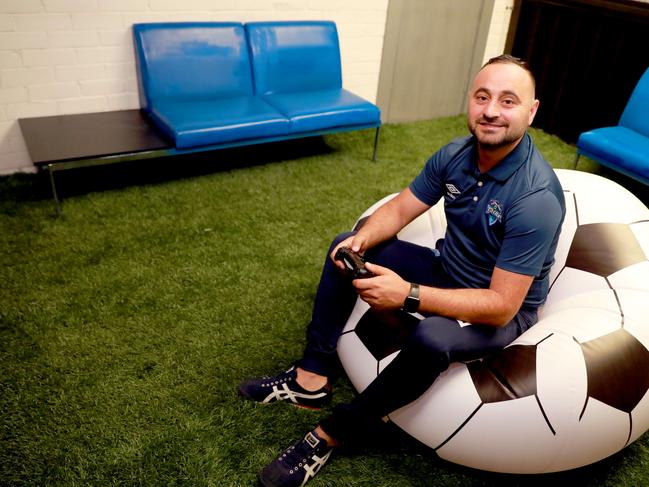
[[448, 403], [489, 443], [562, 401], [437, 217], [641, 232], [568, 230], [419, 232], [596, 195], [534, 335], [634, 277], [604, 299], [603, 430], [584, 324], [377, 205], [640, 418], [357, 313], [359, 363], [574, 281], [384, 362], [636, 317], [593, 208]]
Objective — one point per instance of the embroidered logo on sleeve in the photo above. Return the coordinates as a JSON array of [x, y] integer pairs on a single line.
[[451, 191], [494, 211]]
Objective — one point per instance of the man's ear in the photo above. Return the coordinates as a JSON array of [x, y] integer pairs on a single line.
[[533, 109]]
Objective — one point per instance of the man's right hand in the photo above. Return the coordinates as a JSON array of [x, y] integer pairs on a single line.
[[384, 223], [357, 243]]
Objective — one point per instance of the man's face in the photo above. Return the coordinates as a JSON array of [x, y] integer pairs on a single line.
[[501, 105]]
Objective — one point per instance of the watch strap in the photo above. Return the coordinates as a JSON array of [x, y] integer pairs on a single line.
[[411, 304]]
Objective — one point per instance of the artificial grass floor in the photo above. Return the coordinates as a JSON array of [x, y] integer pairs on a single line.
[[126, 325]]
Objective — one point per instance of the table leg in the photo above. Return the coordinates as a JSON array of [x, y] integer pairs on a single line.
[[54, 193]]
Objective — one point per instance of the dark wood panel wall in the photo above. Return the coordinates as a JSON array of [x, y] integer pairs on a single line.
[[587, 56]]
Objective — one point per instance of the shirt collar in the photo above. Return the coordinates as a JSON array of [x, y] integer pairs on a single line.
[[512, 161]]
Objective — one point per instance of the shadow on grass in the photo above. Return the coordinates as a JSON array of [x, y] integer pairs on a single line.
[[406, 455], [75, 182]]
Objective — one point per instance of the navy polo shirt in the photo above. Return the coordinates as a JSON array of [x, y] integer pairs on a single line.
[[509, 217]]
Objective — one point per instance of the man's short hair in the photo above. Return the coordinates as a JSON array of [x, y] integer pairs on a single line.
[[509, 59]]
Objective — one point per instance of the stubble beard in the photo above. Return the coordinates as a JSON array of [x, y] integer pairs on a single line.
[[493, 141]]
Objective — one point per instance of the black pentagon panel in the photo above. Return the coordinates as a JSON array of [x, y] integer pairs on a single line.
[[505, 375], [384, 333], [604, 248], [617, 365]]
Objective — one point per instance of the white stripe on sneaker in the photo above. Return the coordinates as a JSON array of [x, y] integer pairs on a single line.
[[284, 393], [313, 469]]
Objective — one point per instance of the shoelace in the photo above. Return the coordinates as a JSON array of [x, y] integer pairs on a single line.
[[308, 450]]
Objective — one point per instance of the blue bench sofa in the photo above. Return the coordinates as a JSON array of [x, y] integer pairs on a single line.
[[207, 85], [625, 146]]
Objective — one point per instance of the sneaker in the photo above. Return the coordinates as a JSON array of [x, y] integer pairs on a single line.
[[298, 464], [284, 387]]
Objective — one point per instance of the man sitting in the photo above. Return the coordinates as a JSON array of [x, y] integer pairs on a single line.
[[504, 208]]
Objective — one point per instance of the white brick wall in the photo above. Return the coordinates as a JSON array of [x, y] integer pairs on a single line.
[[76, 56], [497, 36]]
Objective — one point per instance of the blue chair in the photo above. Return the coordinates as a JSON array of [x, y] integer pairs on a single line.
[[296, 68], [209, 85], [624, 147], [196, 84]]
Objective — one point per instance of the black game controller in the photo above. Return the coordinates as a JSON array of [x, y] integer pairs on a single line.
[[354, 263]]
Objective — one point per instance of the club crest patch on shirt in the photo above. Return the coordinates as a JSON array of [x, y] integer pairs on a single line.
[[494, 211]]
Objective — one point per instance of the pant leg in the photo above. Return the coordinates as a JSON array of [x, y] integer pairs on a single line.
[[435, 343], [335, 297]]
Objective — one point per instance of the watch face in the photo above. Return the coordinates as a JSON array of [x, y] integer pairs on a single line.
[[411, 305]]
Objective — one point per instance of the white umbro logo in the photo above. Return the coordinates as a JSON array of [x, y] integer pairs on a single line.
[[452, 191]]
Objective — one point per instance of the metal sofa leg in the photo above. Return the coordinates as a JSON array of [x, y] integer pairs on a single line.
[[576, 160], [376, 143]]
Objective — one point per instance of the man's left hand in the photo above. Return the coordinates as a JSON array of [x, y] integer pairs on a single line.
[[386, 291]]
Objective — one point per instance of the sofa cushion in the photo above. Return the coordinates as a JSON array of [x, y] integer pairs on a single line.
[[617, 145], [294, 56], [316, 110], [192, 59], [198, 122]]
